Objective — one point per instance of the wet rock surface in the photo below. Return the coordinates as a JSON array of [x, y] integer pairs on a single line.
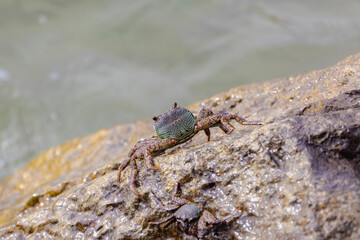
[[296, 177]]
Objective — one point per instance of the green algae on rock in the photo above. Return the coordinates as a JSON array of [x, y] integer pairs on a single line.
[[296, 177]]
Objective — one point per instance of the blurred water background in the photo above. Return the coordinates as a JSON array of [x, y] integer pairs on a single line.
[[70, 68]]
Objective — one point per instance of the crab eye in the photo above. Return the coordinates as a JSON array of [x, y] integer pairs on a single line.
[[175, 105], [155, 118]]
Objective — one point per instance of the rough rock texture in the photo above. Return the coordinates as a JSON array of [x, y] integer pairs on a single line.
[[296, 177]]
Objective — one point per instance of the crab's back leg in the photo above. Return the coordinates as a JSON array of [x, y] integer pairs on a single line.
[[208, 133], [222, 127], [227, 125], [149, 161], [126, 162], [157, 145], [201, 115], [133, 176], [204, 113], [156, 199], [226, 118], [122, 167], [161, 144], [213, 120], [167, 220], [167, 207], [178, 200], [208, 122], [132, 151], [243, 121]]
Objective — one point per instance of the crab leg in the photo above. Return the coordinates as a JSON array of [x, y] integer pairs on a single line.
[[133, 177], [149, 161], [228, 126], [167, 207], [208, 133], [226, 118], [241, 120], [208, 122], [156, 199], [178, 200], [126, 162], [167, 220], [223, 121], [133, 150], [201, 115], [122, 167]]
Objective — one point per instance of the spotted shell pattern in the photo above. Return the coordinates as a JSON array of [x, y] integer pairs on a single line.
[[177, 123]]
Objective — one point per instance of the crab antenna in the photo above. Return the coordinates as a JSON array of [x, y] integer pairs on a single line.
[[175, 105]]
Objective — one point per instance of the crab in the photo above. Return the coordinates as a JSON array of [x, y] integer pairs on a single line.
[[190, 217], [176, 126]]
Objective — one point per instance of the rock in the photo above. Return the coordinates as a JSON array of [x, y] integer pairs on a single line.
[[296, 177]]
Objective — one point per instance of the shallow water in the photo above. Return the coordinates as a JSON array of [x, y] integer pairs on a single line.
[[70, 68]]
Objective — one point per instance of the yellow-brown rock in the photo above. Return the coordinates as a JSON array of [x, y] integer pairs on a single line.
[[296, 177]]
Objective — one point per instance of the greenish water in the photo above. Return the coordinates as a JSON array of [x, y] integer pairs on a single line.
[[69, 68]]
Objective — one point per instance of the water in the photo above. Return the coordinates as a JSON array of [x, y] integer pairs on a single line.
[[70, 68]]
